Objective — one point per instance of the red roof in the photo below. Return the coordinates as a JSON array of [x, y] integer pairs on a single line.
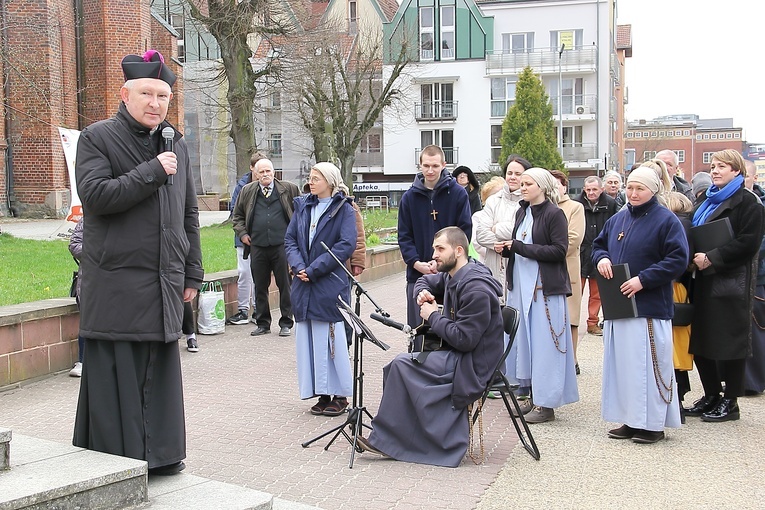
[[624, 39], [389, 8]]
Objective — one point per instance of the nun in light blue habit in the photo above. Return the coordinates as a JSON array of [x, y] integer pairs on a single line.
[[538, 283], [639, 389], [322, 218]]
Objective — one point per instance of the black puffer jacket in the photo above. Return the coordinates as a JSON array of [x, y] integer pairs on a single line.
[[141, 241]]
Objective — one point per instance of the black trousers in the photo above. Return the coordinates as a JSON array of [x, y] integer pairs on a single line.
[[713, 372], [264, 261], [187, 325]]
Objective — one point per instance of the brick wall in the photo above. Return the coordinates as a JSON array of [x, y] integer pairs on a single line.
[[165, 43], [43, 85], [40, 338], [113, 29]]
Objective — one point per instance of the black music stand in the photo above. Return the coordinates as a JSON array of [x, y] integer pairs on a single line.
[[356, 413]]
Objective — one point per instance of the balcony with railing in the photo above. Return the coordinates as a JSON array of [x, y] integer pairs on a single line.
[[368, 159], [579, 152], [450, 153], [616, 72], [435, 110], [579, 105], [541, 61]]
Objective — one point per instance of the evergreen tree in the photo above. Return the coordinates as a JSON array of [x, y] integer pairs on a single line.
[[528, 128]]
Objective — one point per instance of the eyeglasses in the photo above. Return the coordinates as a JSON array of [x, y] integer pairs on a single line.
[[315, 180]]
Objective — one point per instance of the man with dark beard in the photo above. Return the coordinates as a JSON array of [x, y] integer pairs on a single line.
[[423, 413]]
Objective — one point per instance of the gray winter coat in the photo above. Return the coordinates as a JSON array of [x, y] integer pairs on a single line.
[[141, 241]]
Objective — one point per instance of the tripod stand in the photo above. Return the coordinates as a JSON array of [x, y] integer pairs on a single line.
[[355, 417]]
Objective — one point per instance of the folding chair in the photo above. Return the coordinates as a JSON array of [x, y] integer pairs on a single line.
[[500, 384]]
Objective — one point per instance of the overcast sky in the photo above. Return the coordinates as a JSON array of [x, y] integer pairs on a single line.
[[697, 56]]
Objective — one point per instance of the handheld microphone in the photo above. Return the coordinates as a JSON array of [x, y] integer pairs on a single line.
[[391, 323], [168, 134]]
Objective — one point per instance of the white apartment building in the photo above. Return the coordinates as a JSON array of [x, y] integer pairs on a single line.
[[470, 54]]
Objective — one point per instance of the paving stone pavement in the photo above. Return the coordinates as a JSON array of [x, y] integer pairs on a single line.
[[245, 425]]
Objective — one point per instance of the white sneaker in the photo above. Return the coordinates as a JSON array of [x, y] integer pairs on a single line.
[[76, 370]]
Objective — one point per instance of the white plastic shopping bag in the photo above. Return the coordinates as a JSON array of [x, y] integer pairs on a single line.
[[211, 319]]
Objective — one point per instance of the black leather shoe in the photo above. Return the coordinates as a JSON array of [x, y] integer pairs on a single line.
[[726, 410], [648, 436], [168, 470], [703, 405], [260, 331], [623, 432]]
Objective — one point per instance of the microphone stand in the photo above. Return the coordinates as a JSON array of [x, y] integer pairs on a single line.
[[356, 413]]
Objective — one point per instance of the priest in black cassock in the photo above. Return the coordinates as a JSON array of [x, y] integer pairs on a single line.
[[141, 259], [423, 414]]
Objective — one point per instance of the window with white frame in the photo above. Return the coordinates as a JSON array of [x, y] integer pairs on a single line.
[[178, 23], [678, 132], [426, 33], [502, 95], [680, 156], [571, 96], [714, 136], [706, 136], [275, 99], [571, 38], [648, 155], [629, 135], [447, 32], [662, 134], [496, 142], [437, 101], [353, 17], [275, 144], [706, 158], [686, 132], [698, 137], [728, 135], [518, 43], [572, 137], [646, 134], [444, 138], [371, 143], [736, 135]]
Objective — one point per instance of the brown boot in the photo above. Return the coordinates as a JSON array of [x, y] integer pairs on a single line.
[[540, 415]]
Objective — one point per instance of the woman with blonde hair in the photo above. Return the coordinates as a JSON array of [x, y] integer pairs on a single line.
[[665, 181], [681, 333], [488, 189], [542, 356], [324, 217], [723, 289]]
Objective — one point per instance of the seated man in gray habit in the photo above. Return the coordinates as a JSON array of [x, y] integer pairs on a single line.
[[423, 414]]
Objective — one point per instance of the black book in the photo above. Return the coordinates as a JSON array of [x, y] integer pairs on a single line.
[[709, 236], [615, 304]]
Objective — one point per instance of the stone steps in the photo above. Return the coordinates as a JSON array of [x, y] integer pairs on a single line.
[[44, 475]]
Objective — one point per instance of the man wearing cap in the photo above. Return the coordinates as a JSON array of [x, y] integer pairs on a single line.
[[141, 260]]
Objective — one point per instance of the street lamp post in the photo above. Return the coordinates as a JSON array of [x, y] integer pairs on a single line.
[[560, 98]]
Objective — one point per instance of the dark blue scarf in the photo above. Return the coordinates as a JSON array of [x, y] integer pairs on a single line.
[[715, 197]]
